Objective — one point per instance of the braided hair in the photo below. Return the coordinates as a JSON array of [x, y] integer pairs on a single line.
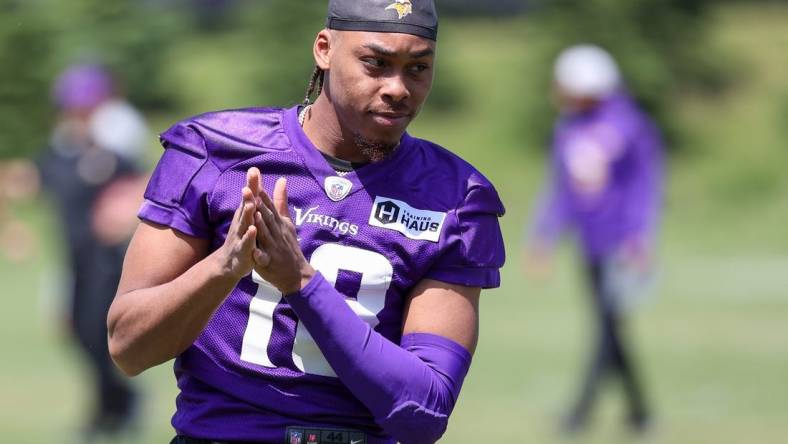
[[315, 85]]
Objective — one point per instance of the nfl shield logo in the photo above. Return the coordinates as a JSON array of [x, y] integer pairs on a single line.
[[337, 188], [295, 437]]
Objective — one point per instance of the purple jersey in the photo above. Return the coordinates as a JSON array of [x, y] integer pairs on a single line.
[[607, 178], [373, 233]]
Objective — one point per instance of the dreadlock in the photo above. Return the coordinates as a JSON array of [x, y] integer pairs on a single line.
[[315, 85]]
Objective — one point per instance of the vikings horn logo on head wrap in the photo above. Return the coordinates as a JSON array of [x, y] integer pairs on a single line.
[[416, 17], [404, 8]]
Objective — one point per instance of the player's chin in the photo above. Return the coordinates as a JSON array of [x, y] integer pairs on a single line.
[[382, 137]]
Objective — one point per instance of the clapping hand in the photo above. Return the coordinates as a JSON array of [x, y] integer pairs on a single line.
[[277, 257], [237, 254]]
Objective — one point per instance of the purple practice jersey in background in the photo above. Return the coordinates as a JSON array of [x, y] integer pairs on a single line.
[[423, 213], [606, 178]]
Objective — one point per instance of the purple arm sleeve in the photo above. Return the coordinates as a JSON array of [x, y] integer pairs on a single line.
[[410, 389]]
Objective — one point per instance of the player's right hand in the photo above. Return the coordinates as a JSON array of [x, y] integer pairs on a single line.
[[635, 253], [236, 256], [537, 263]]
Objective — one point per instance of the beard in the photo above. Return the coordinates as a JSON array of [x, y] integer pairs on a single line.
[[375, 150]]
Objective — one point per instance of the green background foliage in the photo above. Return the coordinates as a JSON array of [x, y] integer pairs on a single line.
[[40, 38], [25, 73], [662, 47]]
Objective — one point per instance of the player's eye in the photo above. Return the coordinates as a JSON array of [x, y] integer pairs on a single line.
[[419, 68], [374, 62]]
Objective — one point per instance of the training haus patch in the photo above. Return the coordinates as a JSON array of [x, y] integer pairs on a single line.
[[416, 224]]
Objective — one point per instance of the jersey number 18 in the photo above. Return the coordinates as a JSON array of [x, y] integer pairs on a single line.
[[329, 259]]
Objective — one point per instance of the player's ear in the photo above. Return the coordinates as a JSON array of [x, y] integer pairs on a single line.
[[324, 43]]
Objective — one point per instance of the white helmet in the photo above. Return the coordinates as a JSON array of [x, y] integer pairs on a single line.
[[587, 71]]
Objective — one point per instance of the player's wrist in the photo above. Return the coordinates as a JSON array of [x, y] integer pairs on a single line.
[[306, 275], [226, 267]]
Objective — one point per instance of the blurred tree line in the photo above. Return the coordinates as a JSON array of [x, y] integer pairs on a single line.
[[39, 38], [661, 45]]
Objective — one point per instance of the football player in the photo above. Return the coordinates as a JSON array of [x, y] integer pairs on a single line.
[[606, 185], [316, 270]]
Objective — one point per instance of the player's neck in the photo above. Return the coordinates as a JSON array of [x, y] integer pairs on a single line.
[[322, 127]]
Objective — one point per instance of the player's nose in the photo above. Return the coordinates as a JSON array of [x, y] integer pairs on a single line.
[[395, 89]]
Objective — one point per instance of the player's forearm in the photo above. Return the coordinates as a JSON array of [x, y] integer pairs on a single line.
[[410, 389], [150, 326]]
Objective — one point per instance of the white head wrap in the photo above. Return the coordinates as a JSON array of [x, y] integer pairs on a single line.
[[120, 128], [587, 71]]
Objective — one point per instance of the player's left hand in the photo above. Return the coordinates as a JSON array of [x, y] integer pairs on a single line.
[[279, 259]]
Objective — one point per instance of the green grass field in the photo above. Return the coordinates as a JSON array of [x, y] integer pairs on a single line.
[[713, 345]]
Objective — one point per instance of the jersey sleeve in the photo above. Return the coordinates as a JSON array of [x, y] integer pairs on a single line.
[[180, 187], [472, 244], [645, 191], [552, 213]]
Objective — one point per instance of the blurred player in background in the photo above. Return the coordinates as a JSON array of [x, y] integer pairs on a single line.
[[345, 308], [91, 170], [606, 186]]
